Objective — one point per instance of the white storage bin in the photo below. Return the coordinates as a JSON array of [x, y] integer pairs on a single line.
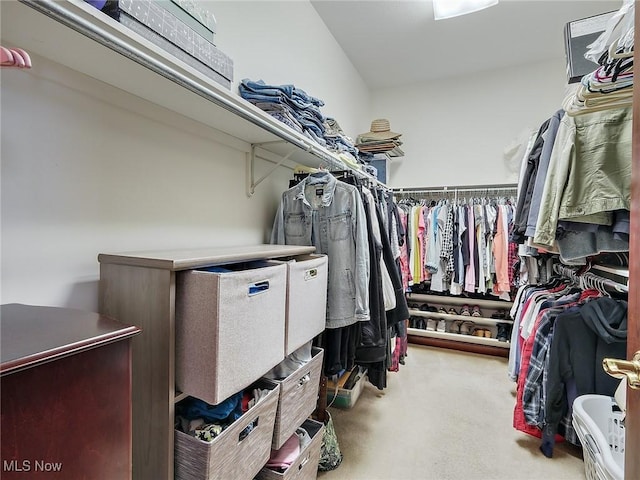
[[306, 299], [230, 455], [601, 432], [229, 328]]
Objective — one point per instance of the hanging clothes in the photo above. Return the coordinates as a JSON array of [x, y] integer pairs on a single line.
[[352, 225], [458, 240]]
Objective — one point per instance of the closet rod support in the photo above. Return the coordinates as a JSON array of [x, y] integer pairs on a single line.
[[252, 183]]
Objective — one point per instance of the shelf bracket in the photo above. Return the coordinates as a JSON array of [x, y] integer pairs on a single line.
[[252, 183]]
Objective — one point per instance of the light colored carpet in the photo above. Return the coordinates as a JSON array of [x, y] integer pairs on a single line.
[[445, 415]]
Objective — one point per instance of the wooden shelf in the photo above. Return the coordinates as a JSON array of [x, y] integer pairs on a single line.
[[492, 342], [79, 36]]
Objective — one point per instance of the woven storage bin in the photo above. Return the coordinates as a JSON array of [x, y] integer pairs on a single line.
[[306, 300], [227, 457], [298, 398], [306, 465], [601, 433], [229, 329]]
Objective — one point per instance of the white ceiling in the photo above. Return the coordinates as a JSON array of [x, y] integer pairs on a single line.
[[397, 42]]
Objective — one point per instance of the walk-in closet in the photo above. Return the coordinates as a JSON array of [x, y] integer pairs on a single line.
[[363, 240]]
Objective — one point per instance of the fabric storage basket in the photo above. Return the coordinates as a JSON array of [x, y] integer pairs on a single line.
[[306, 299], [229, 328], [298, 398], [228, 456], [600, 429], [305, 467]]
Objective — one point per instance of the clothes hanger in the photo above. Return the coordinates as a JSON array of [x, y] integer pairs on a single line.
[[24, 55], [6, 57]]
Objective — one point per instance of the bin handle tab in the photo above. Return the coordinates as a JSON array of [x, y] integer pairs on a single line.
[[258, 287]]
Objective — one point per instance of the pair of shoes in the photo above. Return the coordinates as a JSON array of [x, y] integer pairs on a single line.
[[442, 310], [466, 328], [504, 332], [500, 314], [442, 326], [452, 311], [482, 332], [475, 312], [417, 322], [428, 308], [431, 324], [465, 310]]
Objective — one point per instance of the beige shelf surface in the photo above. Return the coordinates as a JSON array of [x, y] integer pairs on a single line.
[[449, 300], [447, 316], [458, 337], [191, 258]]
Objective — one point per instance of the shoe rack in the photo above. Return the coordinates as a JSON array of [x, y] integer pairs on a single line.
[[441, 329]]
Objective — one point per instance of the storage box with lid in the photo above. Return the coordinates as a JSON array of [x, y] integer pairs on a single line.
[[160, 26], [240, 451], [229, 327], [305, 467], [306, 299], [298, 397], [600, 428]]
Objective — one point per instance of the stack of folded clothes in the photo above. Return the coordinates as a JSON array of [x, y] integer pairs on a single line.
[[291, 105]]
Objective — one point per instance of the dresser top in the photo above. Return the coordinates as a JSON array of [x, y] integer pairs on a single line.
[[186, 259], [31, 335]]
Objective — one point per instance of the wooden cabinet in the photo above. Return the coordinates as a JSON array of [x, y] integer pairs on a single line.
[[140, 288], [448, 316], [66, 394]]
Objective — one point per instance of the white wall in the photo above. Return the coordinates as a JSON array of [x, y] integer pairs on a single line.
[[455, 130], [87, 168], [284, 42]]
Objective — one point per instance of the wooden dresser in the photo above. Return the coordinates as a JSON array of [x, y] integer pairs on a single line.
[[66, 394]]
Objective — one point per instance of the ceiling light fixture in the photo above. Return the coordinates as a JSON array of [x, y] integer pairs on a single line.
[[453, 8]]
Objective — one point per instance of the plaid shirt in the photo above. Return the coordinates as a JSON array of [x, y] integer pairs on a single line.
[[534, 395], [447, 242]]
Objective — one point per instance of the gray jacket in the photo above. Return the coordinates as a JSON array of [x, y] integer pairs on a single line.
[[329, 215]]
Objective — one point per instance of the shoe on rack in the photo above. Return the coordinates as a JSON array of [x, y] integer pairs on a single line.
[[431, 324], [455, 326], [466, 328], [487, 333], [500, 315], [452, 311], [475, 312], [504, 332], [442, 310], [478, 332], [465, 310], [442, 326]]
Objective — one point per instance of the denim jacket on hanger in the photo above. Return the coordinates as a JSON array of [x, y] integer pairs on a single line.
[[329, 215]]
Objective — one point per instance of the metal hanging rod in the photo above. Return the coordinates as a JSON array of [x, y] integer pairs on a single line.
[[512, 188], [589, 279]]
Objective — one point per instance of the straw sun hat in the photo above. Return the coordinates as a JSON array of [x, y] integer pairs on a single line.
[[380, 130]]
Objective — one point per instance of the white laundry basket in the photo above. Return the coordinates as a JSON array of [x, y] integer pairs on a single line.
[[601, 432]]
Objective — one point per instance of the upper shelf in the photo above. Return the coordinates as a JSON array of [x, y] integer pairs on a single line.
[[76, 35]]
